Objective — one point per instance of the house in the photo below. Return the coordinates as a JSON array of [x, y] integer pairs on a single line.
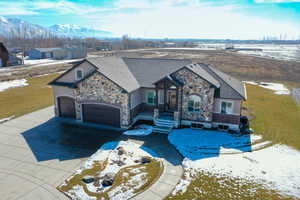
[[41, 53], [4, 55], [14, 60], [76, 52], [69, 53], [118, 91], [104, 46]]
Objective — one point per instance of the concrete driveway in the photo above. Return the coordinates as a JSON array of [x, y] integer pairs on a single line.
[[39, 151]]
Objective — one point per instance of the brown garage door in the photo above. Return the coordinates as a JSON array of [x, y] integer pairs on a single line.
[[66, 106], [101, 114]]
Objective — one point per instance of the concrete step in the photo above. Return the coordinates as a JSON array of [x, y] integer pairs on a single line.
[[167, 123], [162, 129]]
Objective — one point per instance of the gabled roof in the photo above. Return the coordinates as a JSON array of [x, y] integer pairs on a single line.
[[197, 69], [116, 70], [230, 87], [133, 73], [150, 70]]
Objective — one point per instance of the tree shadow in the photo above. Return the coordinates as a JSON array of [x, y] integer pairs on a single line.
[[159, 144], [64, 140], [199, 144]]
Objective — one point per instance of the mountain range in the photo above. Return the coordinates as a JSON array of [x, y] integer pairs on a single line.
[[10, 27]]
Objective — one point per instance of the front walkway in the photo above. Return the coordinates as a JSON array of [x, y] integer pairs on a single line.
[[172, 165]]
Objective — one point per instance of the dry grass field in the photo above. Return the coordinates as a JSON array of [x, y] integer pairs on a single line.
[[22, 100]]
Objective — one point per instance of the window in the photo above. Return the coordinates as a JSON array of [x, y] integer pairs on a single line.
[[79, 74], [151, 98], [194, 103], [226, 107]]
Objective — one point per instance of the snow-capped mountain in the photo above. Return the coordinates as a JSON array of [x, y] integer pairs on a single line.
[[10, 27], [72, 30]]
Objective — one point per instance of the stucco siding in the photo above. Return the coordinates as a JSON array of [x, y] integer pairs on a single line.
[[61, 91], [70, 76], [136, 98], [236, 105]]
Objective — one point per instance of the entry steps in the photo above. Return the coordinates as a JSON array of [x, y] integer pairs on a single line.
[[163, 126]]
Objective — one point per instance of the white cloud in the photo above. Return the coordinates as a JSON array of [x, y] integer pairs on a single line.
[[160, 19], [276, 1], [197, 20], [12, 8]]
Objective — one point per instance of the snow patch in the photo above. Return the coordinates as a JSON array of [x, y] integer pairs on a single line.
[[275, 167], [12, 84], [6, 119], [141, 130], [279, 89], [109, 152]]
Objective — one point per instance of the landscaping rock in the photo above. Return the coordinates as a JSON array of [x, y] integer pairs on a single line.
[[108, 179], [120, 163], [145, 160], [121, 151], [88, 179]]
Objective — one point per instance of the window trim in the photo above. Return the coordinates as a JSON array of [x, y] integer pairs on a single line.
[[194, 111], [230, 112], [82, 72], [147, 97]]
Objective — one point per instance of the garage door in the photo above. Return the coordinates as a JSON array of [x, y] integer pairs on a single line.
[[66, 107], [101, 114]]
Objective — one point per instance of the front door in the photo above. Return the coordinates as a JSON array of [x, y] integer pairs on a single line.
[[171, 100]]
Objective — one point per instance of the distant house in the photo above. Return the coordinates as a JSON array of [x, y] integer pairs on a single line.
[[69, 53], [4, 55], [104, 46], [76, 52], [14, 60], [41, 53]]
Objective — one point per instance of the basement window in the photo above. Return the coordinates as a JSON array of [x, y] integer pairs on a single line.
[[226, 107]]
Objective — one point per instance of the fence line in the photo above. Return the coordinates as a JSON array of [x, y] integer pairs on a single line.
[[296, 95]]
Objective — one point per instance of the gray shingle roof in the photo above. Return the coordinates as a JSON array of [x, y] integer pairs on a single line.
[[230, 87], [133, 73], [116, 70], [46, 49], [197, 68], [148, 70]]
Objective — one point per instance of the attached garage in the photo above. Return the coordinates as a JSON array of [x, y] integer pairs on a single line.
[[66, 106], [101, 114]]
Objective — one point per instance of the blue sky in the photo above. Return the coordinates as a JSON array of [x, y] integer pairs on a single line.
[[234, 19]]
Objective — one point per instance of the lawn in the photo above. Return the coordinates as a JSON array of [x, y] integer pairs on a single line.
[[22, 100], [276, 117]]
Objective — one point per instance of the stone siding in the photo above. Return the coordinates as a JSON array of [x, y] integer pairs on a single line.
[[194, 85], [99, 89]]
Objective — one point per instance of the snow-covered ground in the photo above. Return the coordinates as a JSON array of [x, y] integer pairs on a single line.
[[109, 152], [42, 62], [6, 119], [12, 84], [141, 130], [275, 167], [279, 88], [274, 51]]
